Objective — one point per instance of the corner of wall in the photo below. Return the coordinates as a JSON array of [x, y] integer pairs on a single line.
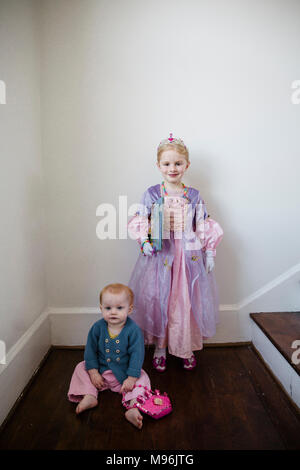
[[21, 362]]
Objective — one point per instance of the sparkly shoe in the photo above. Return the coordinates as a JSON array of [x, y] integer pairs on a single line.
[[159, 363], [189, 364]]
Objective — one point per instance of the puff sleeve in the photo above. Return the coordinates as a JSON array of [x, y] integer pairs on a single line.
[[139, 225], [208, 230], [213, 234]]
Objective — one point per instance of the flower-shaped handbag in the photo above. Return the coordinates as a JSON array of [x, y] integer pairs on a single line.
[[153, 404]]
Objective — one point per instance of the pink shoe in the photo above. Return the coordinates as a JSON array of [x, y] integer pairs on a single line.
[[159, 363], [189, 364]]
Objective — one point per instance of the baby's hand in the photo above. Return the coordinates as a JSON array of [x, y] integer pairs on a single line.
[[96, 378], [128, 384]]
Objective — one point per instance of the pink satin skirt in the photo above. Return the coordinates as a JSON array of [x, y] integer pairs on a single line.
[[183, 335]]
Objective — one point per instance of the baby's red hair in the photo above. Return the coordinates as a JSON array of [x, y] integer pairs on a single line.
[[117, 289]]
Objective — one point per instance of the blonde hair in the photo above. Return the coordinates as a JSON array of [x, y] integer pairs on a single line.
[[179, 148], [117, 289]]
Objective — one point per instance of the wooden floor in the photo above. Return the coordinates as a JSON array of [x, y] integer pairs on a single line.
[[229, 401]]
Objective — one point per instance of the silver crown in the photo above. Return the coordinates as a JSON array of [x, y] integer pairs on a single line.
[[171, 140]]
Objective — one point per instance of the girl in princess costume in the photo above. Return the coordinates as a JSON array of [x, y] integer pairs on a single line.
[[176, 301]]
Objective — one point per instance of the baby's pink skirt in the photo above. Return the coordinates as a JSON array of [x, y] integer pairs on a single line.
[[81, 384]]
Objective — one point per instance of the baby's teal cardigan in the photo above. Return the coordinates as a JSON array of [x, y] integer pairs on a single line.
[[123, 355]]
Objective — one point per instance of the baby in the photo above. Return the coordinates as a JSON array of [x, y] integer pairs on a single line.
[[113, 357]]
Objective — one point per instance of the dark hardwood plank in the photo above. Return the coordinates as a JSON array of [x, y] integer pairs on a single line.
[[276, 403], [282, 329], [241, 419], [218, 405]]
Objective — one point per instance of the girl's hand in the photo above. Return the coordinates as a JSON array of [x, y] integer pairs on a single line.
[[128, 384], [147, 248], [209, 262], [96, 378]]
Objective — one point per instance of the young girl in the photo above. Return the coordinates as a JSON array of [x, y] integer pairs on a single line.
[[175, 292], [113, 356]]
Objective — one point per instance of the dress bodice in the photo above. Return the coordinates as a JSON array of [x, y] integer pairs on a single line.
[[175, 211]]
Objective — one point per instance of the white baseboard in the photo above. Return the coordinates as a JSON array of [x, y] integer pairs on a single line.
[[21, 362], [280, 367], [71, 328]]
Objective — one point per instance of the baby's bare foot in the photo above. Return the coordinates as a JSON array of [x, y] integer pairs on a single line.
[[88, 401], [134, 417]]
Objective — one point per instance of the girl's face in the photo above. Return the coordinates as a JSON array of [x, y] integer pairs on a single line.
[[172, 166], [115, 308]]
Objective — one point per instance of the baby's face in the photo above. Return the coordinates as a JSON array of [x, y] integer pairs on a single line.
[[115, 308], [172, 166]]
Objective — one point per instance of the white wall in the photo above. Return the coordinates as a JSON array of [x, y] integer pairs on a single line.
[[117, 76], [23, 294], [92, 87], [24, 323]]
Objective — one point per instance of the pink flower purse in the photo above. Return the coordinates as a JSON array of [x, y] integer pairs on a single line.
[[153, 404]]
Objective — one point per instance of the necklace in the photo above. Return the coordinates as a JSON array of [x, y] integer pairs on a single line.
[[185, 190]]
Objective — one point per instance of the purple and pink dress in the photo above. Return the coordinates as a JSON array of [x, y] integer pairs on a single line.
[[175, 299]]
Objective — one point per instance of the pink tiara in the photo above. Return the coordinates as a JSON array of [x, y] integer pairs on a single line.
[[171, 140]]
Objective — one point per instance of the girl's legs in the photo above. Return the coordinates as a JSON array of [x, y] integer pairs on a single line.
[[160, 352], [190, 363], [159, 359], [184, 336]]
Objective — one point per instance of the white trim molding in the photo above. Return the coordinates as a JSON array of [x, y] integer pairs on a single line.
[[25, 338], [280, 367], [21, 362], [270, 286]]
